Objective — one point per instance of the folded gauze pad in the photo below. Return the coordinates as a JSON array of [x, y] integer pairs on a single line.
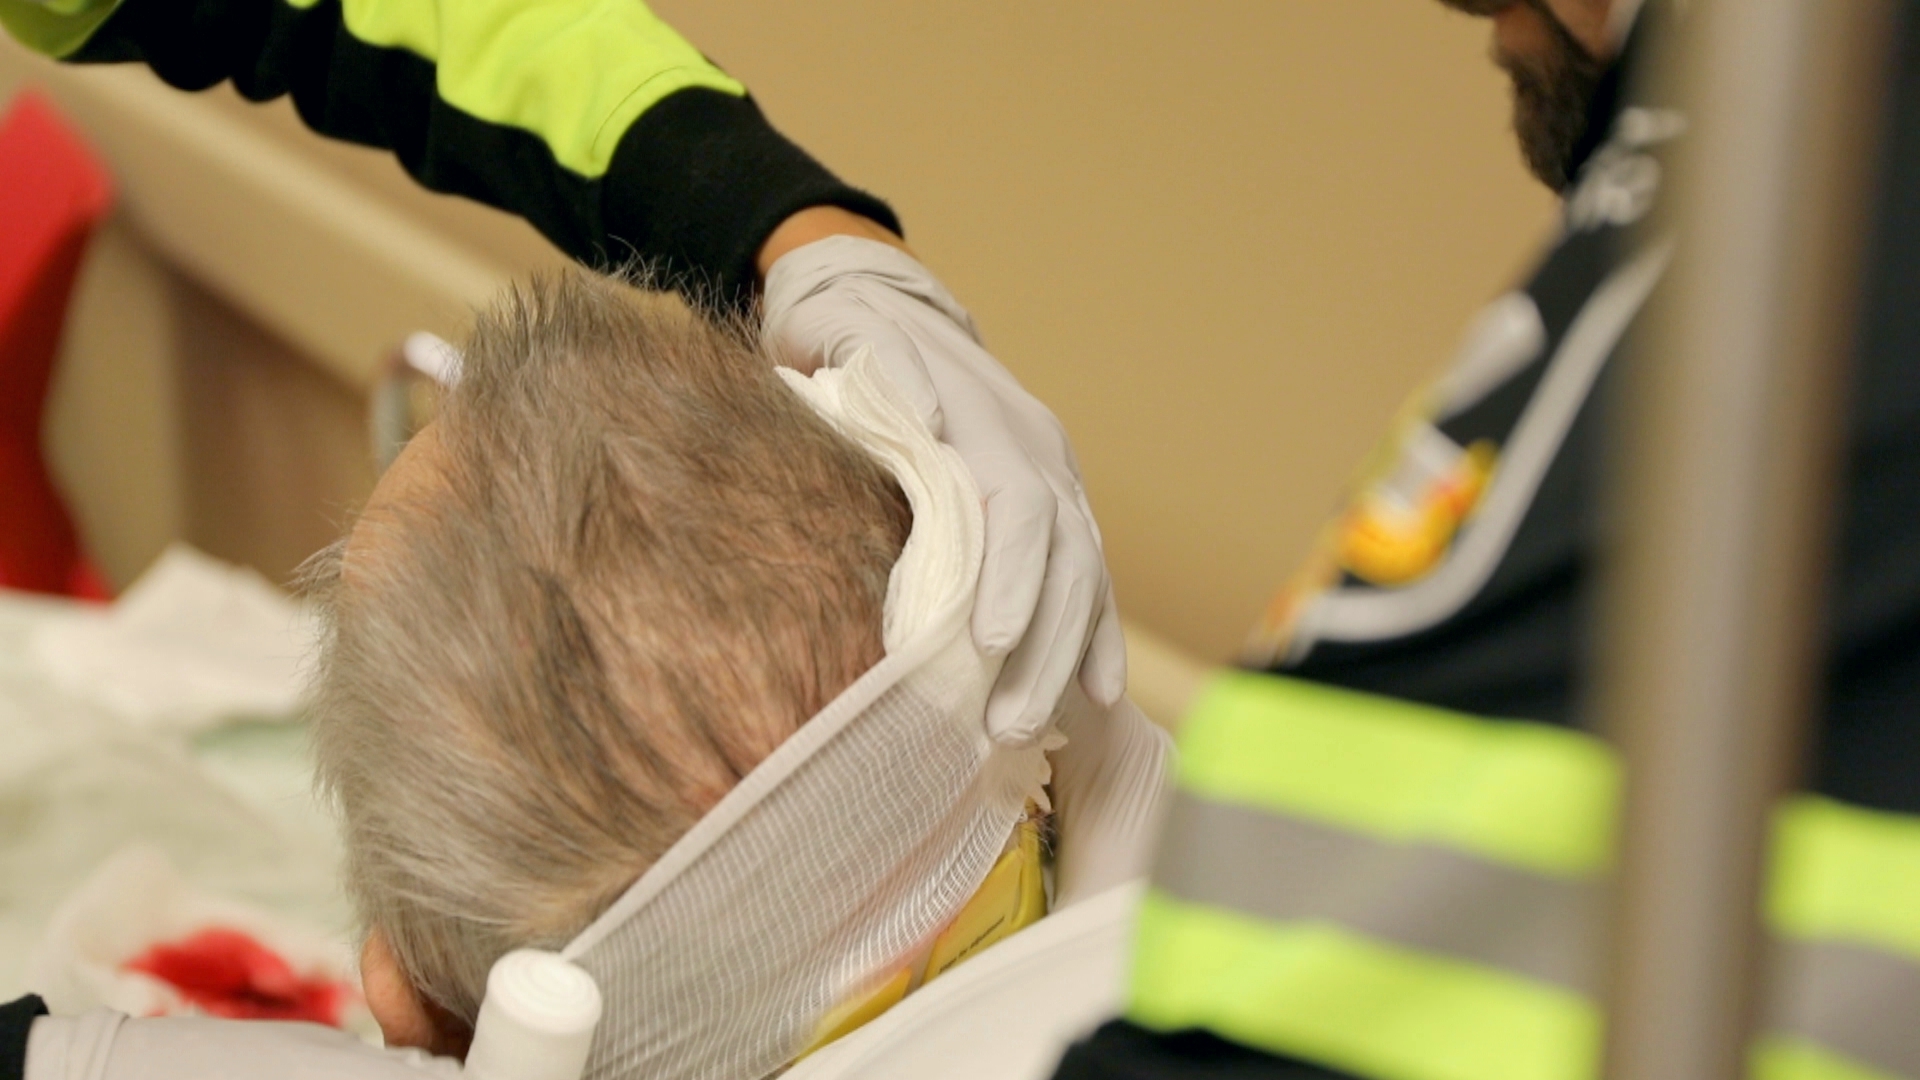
[[856, 841]]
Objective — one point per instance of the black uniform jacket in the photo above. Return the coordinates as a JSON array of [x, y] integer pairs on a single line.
[[1508, 637]]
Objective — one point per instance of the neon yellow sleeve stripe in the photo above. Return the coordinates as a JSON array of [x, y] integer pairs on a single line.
[[1846, 874], [1331, 996], [57, 29], [1778, 1058], [576, 73], [1536, 797]]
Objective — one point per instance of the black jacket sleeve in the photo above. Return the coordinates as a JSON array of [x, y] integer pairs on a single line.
[[1122, 1051], [16, 1021], [595, 122]]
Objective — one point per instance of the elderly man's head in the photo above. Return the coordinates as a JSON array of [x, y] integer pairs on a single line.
[[623, 565]]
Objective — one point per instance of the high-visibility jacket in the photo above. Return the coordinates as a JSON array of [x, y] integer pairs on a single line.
[[1406, 893], [1386, 855], [593, 120]]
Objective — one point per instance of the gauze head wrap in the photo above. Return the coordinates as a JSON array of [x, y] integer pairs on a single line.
[[850, 846]]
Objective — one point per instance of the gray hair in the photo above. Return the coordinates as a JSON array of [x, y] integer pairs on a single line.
[[647, 562]]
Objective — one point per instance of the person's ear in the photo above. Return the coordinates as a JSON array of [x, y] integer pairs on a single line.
[[405, 1016]]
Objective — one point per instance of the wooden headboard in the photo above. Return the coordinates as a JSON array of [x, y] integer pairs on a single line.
[[231, 317]]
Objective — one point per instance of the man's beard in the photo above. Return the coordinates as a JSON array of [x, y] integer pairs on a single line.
[[1551, 95]]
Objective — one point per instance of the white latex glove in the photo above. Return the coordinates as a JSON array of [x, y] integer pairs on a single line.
[[106, 1045], [1109, 786], [1044, 599]]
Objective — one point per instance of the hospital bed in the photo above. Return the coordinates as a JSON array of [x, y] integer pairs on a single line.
[[216, 785]]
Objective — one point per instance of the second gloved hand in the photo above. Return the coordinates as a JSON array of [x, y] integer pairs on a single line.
[[1044, 601]]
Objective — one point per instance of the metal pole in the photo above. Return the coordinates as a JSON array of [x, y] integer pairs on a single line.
[[1728, 444]]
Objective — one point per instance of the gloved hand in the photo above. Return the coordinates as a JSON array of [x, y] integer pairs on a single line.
[[1044, 598], [1109, 787], [106, 1045]]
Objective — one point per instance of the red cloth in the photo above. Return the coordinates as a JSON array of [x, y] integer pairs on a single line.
[[226, 973], [53, 192]]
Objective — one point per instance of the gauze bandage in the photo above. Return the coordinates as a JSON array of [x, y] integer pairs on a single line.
[[855, 843]]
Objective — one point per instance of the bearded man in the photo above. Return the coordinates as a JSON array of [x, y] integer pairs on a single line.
[[1387, 856]]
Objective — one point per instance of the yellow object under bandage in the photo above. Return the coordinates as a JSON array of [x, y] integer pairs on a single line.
[[1013, 897]]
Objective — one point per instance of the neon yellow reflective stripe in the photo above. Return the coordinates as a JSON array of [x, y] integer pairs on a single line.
[[1321, 992], [1776, 1058], [56, 30], [1297, 971], [577, 73], [1529, 795], [1841, 873]]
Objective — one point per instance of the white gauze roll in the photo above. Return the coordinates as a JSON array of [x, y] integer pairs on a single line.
[[851, 845]]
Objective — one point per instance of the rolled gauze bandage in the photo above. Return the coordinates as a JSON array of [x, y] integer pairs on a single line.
[[537, 1020]]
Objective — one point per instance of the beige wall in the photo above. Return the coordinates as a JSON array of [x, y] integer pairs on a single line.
[[1222, 240]]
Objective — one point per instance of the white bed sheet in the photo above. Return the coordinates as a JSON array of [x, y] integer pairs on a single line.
[[231, 807]]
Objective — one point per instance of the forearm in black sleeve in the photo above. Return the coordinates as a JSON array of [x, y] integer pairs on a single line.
[[16, 1023], [594, 121]]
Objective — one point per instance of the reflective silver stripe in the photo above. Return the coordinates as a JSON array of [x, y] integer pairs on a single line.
[[1861, 1002], [1424, 897], [1369, 614], [1858, 1002]]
